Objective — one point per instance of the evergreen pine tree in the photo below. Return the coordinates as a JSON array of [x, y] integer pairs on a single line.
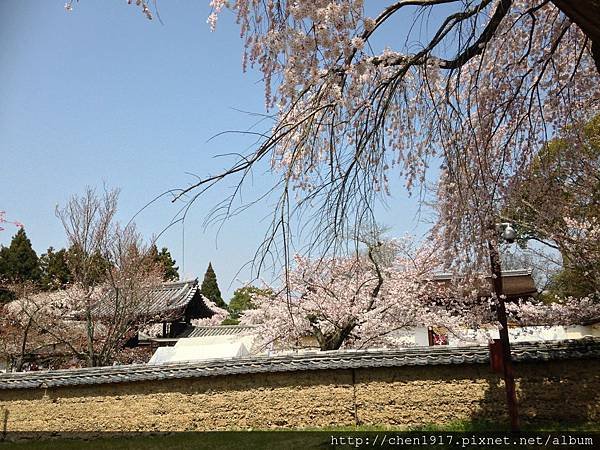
[[19, 262], [3, 263], [6, 295], [55, 270], [210, 287], [90, 269], [167, 263]]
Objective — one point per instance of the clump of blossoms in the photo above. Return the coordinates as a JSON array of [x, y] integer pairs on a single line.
[[219, 315], [564, 311], [356, 302]]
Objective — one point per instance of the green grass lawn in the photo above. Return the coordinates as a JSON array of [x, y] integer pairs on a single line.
[[308, 439]]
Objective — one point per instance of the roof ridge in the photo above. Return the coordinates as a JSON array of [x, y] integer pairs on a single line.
[[179, 282], [339, 359]]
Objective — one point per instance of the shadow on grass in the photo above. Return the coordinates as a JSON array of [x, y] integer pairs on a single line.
[[306, 439]]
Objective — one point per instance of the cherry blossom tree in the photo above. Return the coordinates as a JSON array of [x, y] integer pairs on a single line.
[[36, 327], [19, 335], [84, 324], [346, 114], [477, 96], [356, 301], [347, 302]]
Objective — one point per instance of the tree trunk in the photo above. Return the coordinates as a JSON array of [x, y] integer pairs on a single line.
[[335, 340], [586, 15], [21, 358], [90, 338], [507, 366]]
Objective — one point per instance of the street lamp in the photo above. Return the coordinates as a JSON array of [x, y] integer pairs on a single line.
[[509, 235], [507, 232]]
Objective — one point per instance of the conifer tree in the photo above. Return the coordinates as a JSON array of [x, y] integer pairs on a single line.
[[166, 262], [19, 262], [210, 287], [92, 268], [55, 269]]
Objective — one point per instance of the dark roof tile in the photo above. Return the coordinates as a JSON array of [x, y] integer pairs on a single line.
[[166, 302], [533, 351], [219, 330]]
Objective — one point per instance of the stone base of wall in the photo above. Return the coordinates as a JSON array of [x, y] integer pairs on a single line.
[[567, 391]]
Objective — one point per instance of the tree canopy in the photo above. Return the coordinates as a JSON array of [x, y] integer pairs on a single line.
[[472, 87], [242, 299], [111, 274], [166, 262], [556, 201], [475, 92]]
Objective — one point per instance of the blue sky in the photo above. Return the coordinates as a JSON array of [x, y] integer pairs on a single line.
[[102, 95]]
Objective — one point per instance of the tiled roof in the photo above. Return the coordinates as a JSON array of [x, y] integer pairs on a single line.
[[220, 330], [442, 355], [167, 301], [505, 274], [515, 283]]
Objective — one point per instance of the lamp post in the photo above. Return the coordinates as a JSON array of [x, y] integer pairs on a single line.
[[509, 235]]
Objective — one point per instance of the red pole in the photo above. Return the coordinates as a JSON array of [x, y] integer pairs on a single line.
[[509, 376]]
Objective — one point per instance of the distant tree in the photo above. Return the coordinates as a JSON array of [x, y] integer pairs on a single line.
[[18, 261], [166, 262], [210, 287], [571, 282], [111, 277], [242, 299], [91, 268], [55, 269], [556, 202], [230, 321]]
